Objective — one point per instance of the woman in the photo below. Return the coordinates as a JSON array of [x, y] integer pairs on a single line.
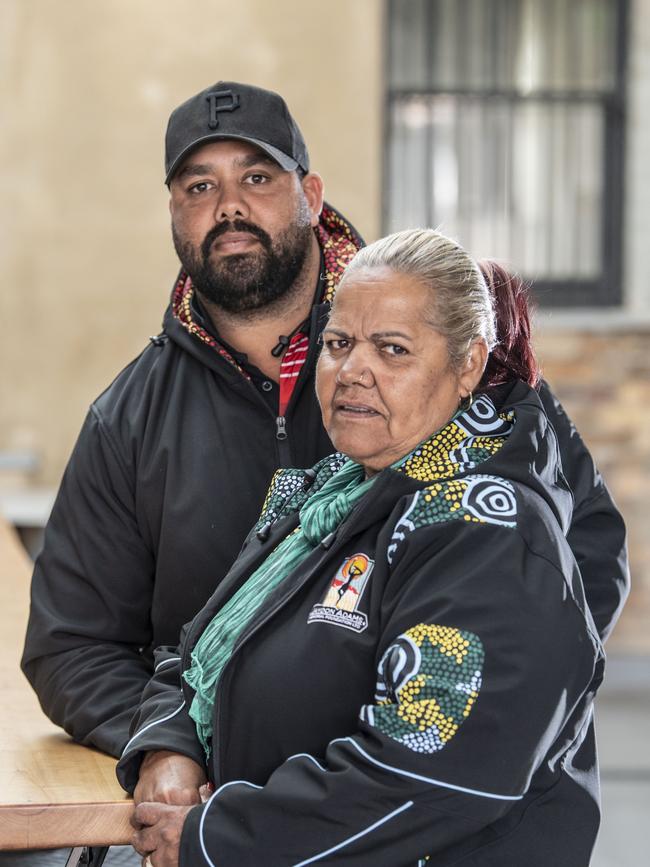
[[400, 663]]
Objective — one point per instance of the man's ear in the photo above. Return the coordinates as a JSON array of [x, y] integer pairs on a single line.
[[314, 190], [472, 371]]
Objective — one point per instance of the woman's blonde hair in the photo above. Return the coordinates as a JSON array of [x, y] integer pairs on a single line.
[[461, 306]]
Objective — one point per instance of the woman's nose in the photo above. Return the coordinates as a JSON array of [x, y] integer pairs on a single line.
[[356, 370]]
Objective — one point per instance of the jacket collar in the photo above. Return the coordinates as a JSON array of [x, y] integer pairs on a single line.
[[505, 435]]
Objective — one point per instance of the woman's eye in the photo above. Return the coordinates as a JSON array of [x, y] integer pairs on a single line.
[[337, 344], [394, 349]]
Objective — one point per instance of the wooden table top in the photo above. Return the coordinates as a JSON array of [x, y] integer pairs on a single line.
[[53, 792]]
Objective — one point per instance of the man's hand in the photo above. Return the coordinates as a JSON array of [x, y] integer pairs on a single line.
[[169, 778], [158, 832]]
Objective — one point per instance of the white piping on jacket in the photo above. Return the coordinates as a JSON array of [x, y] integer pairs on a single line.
[[363, 833], [311, 759], [207, 807], [320, 855], [370, 828], [433, 782], [156, 722], [166, 662]]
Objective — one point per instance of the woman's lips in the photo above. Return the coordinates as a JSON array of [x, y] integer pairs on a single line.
[[354, 410]]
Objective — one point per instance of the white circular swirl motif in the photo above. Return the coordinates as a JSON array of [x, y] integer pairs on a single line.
[[482, 418], [401, 661], [491, 499]]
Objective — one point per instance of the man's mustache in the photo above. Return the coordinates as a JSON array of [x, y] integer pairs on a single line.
[[234, 226]]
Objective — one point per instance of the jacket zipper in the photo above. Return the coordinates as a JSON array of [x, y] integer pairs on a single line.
[[281, 433], [282, 437]]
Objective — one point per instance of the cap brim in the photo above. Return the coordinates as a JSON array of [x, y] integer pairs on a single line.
[[284, 160]]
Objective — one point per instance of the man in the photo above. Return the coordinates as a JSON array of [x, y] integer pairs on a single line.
[[174, 459]]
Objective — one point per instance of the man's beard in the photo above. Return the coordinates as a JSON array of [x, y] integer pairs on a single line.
[[246, 282]]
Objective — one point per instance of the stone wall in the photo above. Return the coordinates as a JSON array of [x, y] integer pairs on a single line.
[[603, 380]]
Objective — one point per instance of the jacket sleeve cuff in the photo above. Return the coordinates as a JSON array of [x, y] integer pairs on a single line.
[[177, 735]]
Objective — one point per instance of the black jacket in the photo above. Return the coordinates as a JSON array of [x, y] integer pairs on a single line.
[[597, 532], [166, 478], [437, 704]]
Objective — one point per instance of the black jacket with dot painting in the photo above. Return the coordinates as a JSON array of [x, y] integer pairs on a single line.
[[420, 685], [166, 478]]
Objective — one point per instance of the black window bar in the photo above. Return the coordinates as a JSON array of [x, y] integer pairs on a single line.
[[504, 127]]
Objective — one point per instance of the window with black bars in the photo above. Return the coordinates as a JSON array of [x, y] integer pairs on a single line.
[[505, 131]]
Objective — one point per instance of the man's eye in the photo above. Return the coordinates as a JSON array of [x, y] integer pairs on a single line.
[[257, 179], [201, 187]]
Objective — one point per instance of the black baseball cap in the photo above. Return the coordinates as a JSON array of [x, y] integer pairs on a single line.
[[239, 111]]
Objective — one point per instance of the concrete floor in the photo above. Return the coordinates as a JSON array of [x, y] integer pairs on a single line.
[[623, 732]]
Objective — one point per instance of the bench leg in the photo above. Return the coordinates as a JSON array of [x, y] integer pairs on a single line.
[[87, 856]]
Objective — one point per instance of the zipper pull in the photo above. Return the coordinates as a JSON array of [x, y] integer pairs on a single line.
[[328, 540], [281, 428]]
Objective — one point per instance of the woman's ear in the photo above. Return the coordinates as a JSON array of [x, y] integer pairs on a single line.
[[474, 366], [314, 190]]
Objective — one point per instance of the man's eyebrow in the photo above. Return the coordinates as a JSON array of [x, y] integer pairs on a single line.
[[194, 169], [255, 159]]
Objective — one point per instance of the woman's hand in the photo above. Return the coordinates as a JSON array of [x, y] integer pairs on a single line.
[[170, 778], [158, 832]]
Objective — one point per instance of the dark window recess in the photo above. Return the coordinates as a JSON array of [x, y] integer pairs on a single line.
[[505, 130]]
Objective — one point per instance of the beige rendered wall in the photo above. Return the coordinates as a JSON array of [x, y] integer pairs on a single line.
[[86, 261], [86, 86]]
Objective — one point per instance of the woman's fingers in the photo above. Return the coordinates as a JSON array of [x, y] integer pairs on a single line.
[[205, 792], [158, 832], [146, 814]]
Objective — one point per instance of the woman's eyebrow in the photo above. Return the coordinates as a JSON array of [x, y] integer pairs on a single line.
[[335, 331], [378, 335]]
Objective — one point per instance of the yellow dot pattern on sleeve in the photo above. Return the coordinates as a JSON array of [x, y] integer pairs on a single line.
[[429, 680]]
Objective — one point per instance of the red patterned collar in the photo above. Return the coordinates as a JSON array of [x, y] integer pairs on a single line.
[[338, 240]]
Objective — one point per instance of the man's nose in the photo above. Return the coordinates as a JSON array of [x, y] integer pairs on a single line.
[[231, 203]]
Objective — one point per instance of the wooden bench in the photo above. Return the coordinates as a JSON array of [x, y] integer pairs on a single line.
[[53, 792]]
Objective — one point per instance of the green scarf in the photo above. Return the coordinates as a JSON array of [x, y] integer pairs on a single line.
[[319, 516]]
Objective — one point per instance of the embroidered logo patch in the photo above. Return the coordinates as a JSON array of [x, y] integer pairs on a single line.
[[341, 601]]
